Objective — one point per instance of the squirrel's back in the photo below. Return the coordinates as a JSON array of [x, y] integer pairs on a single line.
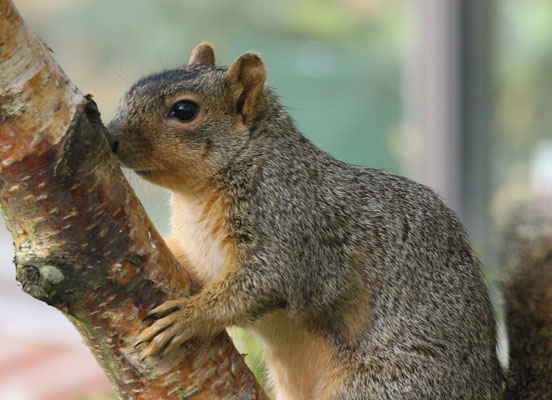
[[397, 284]]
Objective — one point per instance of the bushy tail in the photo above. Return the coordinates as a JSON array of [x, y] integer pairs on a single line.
[[527, 291]]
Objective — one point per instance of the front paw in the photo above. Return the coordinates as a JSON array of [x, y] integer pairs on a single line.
[[171, 328]]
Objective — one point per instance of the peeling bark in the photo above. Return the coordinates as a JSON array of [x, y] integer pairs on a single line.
[[83, 242]]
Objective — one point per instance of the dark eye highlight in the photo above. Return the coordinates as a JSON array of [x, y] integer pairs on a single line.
[[184, 111]]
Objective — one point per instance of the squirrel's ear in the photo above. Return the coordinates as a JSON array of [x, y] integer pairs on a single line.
[[202, 54], [246, 77]]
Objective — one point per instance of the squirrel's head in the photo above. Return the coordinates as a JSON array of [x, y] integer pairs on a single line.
[[178, 128]]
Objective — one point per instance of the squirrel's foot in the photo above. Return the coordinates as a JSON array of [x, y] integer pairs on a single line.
[[171, 329]]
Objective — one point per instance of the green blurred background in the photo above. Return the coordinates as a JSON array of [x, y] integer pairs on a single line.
[[453, 93]]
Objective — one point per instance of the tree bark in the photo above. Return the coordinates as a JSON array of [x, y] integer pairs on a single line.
[[83, 242]]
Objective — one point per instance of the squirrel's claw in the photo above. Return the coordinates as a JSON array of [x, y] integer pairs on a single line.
[[149, 351], [164, 342], [158, 337], [151, 315], [174, 344], [165, 334], [153, 331], [163, 310]]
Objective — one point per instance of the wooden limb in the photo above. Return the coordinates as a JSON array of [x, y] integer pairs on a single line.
[[83, 242]]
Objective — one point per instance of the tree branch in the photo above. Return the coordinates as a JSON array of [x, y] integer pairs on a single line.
[[83, 242]]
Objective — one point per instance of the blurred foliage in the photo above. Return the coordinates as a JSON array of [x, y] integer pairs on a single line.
[[336, 64], [522, 113]]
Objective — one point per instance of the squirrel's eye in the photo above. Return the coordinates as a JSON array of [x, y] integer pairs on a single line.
[[184, 111]]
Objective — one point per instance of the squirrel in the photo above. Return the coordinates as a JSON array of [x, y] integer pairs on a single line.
[[361, 284]]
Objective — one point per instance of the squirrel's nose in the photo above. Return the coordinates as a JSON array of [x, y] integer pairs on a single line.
[[113, 142], [112, 134]]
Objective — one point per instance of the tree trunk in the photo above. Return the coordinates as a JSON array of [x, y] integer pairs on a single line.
[[83, 242]]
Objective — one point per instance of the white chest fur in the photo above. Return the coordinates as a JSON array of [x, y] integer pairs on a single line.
[[198, 227]]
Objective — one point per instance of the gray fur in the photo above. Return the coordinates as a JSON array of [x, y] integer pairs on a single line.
[[432, 334], [324, 240]]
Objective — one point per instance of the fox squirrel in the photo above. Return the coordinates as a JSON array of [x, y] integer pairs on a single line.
[[361, 284]]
